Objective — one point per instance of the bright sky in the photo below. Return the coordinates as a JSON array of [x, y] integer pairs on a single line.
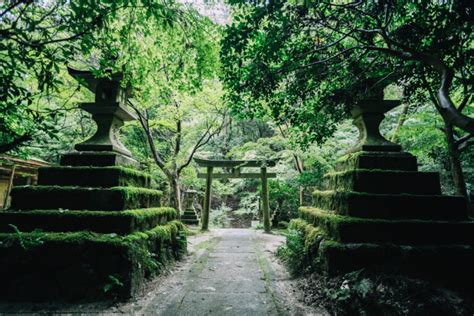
[[216, 10]]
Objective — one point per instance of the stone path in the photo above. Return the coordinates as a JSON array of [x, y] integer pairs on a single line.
[[234, 272], [231, 278]]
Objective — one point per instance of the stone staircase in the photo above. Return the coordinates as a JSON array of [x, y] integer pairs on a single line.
[[189, 217], [370, 219], [93, 227], [378, 212]]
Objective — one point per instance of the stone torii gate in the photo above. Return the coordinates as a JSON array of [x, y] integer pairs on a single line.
[[235, 166]]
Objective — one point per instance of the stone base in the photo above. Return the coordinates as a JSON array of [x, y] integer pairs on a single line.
[[84, 266], [384, 181], [106, 222], [348, 229], [103, 177], [378, 161], [392, 206], [190, 217], [79, 198], [449, 264], [98, 159], [379, 213], [333, 249]]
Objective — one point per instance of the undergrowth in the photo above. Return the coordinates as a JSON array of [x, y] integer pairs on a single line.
[[364, 293]]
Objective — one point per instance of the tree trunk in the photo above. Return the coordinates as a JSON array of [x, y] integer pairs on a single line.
[[301, 195], [455, 162], [175, 195], [401, 121]]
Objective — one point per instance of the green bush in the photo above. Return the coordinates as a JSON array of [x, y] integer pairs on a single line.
[[284, 199], [293, 253], [301, 248]]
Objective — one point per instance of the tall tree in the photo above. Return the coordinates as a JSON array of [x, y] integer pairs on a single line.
[[305, 61], [37, 39], [173, 72]]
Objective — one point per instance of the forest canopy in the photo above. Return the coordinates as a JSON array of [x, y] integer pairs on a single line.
[[272, 79], [304, 63]]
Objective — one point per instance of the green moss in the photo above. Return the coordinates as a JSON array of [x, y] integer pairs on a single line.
[[163, 232], [138, 214], [126, 191], [132, 193], [355, 171], [120, 222], [78, 265], [348, 157], [302, 245], [83, 198], [312, 235], [121, 169], [403, 231]]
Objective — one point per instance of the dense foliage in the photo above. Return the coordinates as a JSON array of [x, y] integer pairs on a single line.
[[305, 62], [289, 69], [37, 39]]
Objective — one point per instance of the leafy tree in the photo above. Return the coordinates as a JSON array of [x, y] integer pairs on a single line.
[[305, 62], [177, 97], [37, 39]]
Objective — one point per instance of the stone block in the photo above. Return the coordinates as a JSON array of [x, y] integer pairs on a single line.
[[121, 222], [80, 198], [401, 232], [84, 266], [378, 160], [384, 181], [97, 159], [450, 265], [105, 177], [392, 206]]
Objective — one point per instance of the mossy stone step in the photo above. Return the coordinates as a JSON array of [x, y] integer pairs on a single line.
[[449, 264], [187, 216], [392, 206], [84, 265], [121, 222], [384, 181], [403, 232], [189, 212], [190, 221], [97, 159], [93, 177], [81, 198], [378, 160]]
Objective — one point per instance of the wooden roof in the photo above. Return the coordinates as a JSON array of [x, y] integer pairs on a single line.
[[22, 167]]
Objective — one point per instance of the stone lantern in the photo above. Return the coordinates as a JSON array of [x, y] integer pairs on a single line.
[[189, 216], [109, 111]]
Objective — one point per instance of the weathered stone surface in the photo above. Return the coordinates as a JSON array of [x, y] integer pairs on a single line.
[[109, 111], [449, 264], [97, 159], [123, 222], [367, 115], [392, 206], [384, 181], [80, 198], [83, 266], [378, 160], [402, 232], [190, 217], [105, 177]]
